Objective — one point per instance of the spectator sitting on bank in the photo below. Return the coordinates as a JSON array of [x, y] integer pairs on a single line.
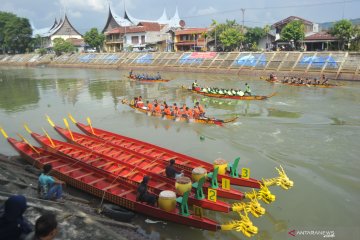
[[50, 187], [46, 228], [13, 225]]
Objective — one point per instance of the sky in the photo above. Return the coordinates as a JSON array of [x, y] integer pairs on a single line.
[[85, 14]]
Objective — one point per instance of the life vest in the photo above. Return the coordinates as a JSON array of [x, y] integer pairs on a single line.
[[196, 112], [201, 109], [190, 113], [158, 109], [167, 111], [150, 107]]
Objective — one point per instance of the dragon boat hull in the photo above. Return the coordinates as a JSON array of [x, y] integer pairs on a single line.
[[182, 161], [148, 80], [100, 184], [303, 85], [113, 163], [211, 121], [231, 97]]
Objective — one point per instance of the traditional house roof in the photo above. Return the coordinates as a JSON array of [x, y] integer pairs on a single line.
[[77, 42], [190, 31], [289, 19], [164, 18], [114, 21], [63, 27], [321, 36]]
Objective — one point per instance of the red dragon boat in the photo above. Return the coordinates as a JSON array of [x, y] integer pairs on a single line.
[[150, 150], [253, 97], [205, 120], [148, 80], [115, 153], [101, 184], [114, 164]]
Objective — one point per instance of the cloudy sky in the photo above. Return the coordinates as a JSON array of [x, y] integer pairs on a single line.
[[85, 14]]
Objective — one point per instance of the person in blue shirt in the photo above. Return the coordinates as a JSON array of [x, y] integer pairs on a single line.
[[50, 187]]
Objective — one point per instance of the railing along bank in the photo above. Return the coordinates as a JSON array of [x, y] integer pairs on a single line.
[[336, 65]]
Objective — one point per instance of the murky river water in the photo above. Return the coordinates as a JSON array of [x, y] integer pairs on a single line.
[[313, 133]]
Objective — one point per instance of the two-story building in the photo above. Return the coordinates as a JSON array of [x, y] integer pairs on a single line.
[[129, 33], [190, 39]]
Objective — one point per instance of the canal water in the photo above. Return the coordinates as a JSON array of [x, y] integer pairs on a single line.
[[313, 133]]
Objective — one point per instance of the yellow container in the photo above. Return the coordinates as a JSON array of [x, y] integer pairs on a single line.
[[221, 164], [198, 173], [167, 200], [182, 185]]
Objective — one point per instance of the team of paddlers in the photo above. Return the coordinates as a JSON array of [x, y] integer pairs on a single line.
[[300, 80], [222, 91], [144, 76], [163, 108]]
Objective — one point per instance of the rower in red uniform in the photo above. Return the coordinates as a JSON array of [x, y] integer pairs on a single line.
[[157, 108]]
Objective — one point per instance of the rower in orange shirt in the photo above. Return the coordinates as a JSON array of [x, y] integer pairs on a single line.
[[184, 107], [196, 112], [167, 110], [157, 108], [201, 109], [149, 106], [189, 113]]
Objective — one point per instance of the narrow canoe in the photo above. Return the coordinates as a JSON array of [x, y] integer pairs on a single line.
[[117, 151], [304, 85], [101, 184], [127, 167], [182, 161], [148, 80], [254, 97], [215, 121]]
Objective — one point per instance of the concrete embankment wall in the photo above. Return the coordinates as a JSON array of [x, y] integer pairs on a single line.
[[335, 65]]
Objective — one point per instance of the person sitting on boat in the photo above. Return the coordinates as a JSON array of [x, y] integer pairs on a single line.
[[171, 172], [140, 104], [167, 110], [317, 81], [201, 109], [143, 195], [308, 81], [157, 108], [240, 93], [158, 76], [50, 187], [196, 112], [189, 113], [131, 74], [149, 106], [325, 81], [247, 89], [194, 85], [220, 91]]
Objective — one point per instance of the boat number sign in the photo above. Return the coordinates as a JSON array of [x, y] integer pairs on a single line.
[[212, 193], [225, 184], [198, 211], [245, 173]]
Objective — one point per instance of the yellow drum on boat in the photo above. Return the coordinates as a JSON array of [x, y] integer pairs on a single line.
[[221, 164], [182, 185], [167, 200], [198, 173]]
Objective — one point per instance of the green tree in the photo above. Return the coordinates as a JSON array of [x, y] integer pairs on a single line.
[[355, 41], [218, 29], [231, 38], [253, 35], [293, 31], [62, 46], [266, 31], [15, 33], [94, 38], [343, 30]]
